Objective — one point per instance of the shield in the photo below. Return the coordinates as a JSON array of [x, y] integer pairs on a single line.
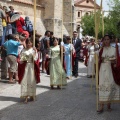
[[15, 17]]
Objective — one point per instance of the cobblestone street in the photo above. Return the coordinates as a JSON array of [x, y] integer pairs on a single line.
[[74, 102]]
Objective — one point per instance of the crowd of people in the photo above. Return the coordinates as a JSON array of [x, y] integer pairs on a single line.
[[24, 60]]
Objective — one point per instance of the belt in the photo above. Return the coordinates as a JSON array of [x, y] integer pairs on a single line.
[[12, 55]]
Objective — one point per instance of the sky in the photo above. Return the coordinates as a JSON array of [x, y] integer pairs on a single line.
[[105, 6]]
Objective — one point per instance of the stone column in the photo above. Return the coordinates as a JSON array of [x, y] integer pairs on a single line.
[[68, 4], [53, 16]]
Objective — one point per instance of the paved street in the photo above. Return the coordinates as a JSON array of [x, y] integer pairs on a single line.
[[75, 102]]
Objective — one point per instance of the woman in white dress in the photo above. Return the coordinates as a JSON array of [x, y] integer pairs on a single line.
[[91, 61], [109, 91], [27, 76]]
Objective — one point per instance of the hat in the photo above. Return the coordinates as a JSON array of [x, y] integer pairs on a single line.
[[7, 9], [27, 18]]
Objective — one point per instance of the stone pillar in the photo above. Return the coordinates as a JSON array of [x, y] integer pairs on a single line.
[[53, 16], [68, 4]]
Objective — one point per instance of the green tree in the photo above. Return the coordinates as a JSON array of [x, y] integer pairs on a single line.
[[111, 21], [88, 25], [114, 16]]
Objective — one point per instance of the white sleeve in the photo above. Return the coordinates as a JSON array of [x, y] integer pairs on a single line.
[[35, 55]]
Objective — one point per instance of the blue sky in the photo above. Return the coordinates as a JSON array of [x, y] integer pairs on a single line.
[[105, 6]]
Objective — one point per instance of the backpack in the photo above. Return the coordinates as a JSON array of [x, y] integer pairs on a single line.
[[29, 27]]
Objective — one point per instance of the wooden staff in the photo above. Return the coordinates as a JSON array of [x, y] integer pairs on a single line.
[[95, 19], [71, 34], [96, 35], [34, 22], [103, 27], [97, 23], [102, 18], [62, 41]]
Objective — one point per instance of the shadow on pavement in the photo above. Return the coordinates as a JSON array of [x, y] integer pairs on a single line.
[[6, 98], [74, 102]]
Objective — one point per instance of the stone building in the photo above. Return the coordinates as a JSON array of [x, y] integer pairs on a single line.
[[83, 7], [48, 14]]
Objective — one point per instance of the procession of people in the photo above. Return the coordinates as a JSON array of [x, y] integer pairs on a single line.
[[59, 59]]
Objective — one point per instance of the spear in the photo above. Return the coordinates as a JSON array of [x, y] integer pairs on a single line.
[[34, 22]]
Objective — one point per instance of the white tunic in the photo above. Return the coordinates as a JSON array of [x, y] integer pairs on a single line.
[[28, 84], [91, 61], [108, 90]]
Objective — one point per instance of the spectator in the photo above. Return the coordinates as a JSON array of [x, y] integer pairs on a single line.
[[51, 38], [22, 39], [12, 52], [2, 16], [45, 45], [28, 25], [19, 25], [77, 45], [13, 23], [9, 26], [4, 24]]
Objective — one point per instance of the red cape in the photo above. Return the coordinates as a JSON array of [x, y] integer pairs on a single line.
[[21, 71], [115, 70]]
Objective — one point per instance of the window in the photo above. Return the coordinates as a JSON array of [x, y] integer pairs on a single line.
[[79, 14], [87, 13]]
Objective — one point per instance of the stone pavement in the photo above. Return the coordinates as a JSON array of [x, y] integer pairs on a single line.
[[74, 102]]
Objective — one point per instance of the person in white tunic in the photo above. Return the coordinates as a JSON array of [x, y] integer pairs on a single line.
[[91, 61], [109, 91], [28, 82]]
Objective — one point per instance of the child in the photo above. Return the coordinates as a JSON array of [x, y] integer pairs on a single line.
[[28, 73]]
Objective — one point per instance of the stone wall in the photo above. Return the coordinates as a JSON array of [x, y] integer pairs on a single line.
[[28, 10], [69, 17], [53, 16], [49, 14]]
